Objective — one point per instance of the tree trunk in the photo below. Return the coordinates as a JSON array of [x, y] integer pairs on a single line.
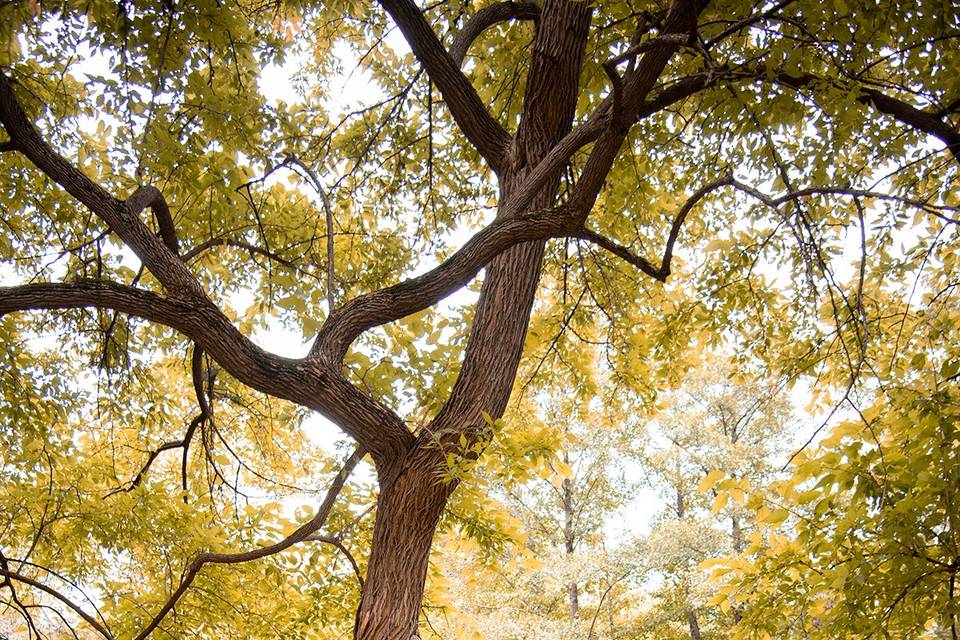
[[569, 544], [694, 626], [738, 547], [412, 497], [408, 510]]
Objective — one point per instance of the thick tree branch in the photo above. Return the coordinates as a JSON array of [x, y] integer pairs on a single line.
[[309, 384], [486, 18], [188, 310], [485, 133], [348, 321], [495, 342], [302, 533], [121, 217], [681, 20]]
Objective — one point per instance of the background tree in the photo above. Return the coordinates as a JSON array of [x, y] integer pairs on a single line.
[[862, 539], [700, 167], [717, 425], [555, 577]]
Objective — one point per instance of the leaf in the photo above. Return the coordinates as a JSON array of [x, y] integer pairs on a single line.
[[710, 480]]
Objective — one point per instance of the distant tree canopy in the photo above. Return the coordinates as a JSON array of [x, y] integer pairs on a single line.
[[615, 188]]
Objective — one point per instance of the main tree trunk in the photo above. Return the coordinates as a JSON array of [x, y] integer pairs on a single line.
[[412, 494]]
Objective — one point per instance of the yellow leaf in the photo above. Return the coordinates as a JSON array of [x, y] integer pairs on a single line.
[[720, 502], [710, 480]]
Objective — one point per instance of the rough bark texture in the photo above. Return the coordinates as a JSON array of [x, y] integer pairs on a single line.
[[570, 544], [412, 498], [694, 626]]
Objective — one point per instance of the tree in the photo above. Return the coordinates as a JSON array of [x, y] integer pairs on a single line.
[[558, 575], [862, 539], [700, 163], [713, 427]]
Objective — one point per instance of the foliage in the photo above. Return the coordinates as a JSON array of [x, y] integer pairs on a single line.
[[785, 188], [861, 540]]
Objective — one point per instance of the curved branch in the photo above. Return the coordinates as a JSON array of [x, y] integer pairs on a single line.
[[348, 321], [469, 112], [309, 384], [328, 219], [486, 18], [342, 549], [93, 622], [663, 271], [149, 196], [302, 533]]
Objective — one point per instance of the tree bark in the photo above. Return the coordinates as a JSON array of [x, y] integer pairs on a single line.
[[570, 541], [412, 496], [694, 626], [408, 511]]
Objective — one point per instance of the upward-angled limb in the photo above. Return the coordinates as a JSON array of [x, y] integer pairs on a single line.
[[469, 112], [187, 308], [120, 216], [486, 18]]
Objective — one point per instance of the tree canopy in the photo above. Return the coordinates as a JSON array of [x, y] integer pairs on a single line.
[[538, 205]]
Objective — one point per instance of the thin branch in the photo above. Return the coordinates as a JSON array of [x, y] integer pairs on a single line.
[[663, 271], [237, 244], [747, 22], [184, 443], [328, 215], [93, 622], [302, 533], [622, 252], [334, 541], [939, 211]]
